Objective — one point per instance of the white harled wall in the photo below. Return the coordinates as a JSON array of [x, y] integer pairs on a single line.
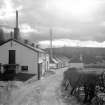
[[24, 56]]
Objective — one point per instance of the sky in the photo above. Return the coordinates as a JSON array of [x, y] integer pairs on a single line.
[[73, 21]]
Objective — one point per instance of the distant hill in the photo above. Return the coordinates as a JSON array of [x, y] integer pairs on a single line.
[[89, 54]]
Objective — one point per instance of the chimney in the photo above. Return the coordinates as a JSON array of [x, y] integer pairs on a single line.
[[37, 46], [26, 41], [33, 45], [16, 19], [16, 29]]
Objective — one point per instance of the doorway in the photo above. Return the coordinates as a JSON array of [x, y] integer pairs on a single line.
[[12, 58], [39, 70]]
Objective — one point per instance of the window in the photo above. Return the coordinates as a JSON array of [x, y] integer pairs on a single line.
[[24, 68]]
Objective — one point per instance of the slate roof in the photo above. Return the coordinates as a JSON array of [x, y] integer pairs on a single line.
[[53, 61], [24, 44]]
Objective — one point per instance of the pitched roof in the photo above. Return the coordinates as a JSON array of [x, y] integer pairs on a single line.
[[75, 60], [52, 60], [61, 58], [24, 44]]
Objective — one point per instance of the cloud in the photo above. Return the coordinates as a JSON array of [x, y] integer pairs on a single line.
[[27, 32], [36, 20], [7, 10], [78, 10], [102, 24], [71, 43], [25, 28]]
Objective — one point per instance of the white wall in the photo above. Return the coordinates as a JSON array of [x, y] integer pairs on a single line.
[[42, 60], [52, 66], [4, 53], [76, 65], [24, 56], [47, 62]]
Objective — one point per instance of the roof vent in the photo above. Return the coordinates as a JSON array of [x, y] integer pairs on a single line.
[[26, 41], [33, 45]]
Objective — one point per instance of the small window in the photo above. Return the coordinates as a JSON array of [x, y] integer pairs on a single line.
[[24, 68]]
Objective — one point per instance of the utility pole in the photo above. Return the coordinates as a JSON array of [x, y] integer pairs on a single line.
[[81, 57], [51, 46]]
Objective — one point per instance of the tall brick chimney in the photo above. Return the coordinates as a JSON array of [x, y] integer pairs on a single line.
[[16, 29]]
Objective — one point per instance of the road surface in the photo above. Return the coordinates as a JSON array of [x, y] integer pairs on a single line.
[[43, 92]]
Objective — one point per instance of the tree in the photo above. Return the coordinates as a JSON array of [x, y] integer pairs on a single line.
[[79, 78], [1, 36]]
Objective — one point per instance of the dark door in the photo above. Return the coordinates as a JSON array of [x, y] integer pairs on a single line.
[[12, 57], [39, 70]]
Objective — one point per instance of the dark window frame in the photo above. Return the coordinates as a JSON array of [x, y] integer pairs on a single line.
[[24, 68], [12, 57]]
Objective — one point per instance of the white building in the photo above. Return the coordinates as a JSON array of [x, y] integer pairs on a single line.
[[43, 62], [22, 56], [28, 58], [76, 63], [53, 63]]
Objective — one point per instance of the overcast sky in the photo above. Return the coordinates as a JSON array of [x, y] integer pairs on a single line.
[[69, 19]]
